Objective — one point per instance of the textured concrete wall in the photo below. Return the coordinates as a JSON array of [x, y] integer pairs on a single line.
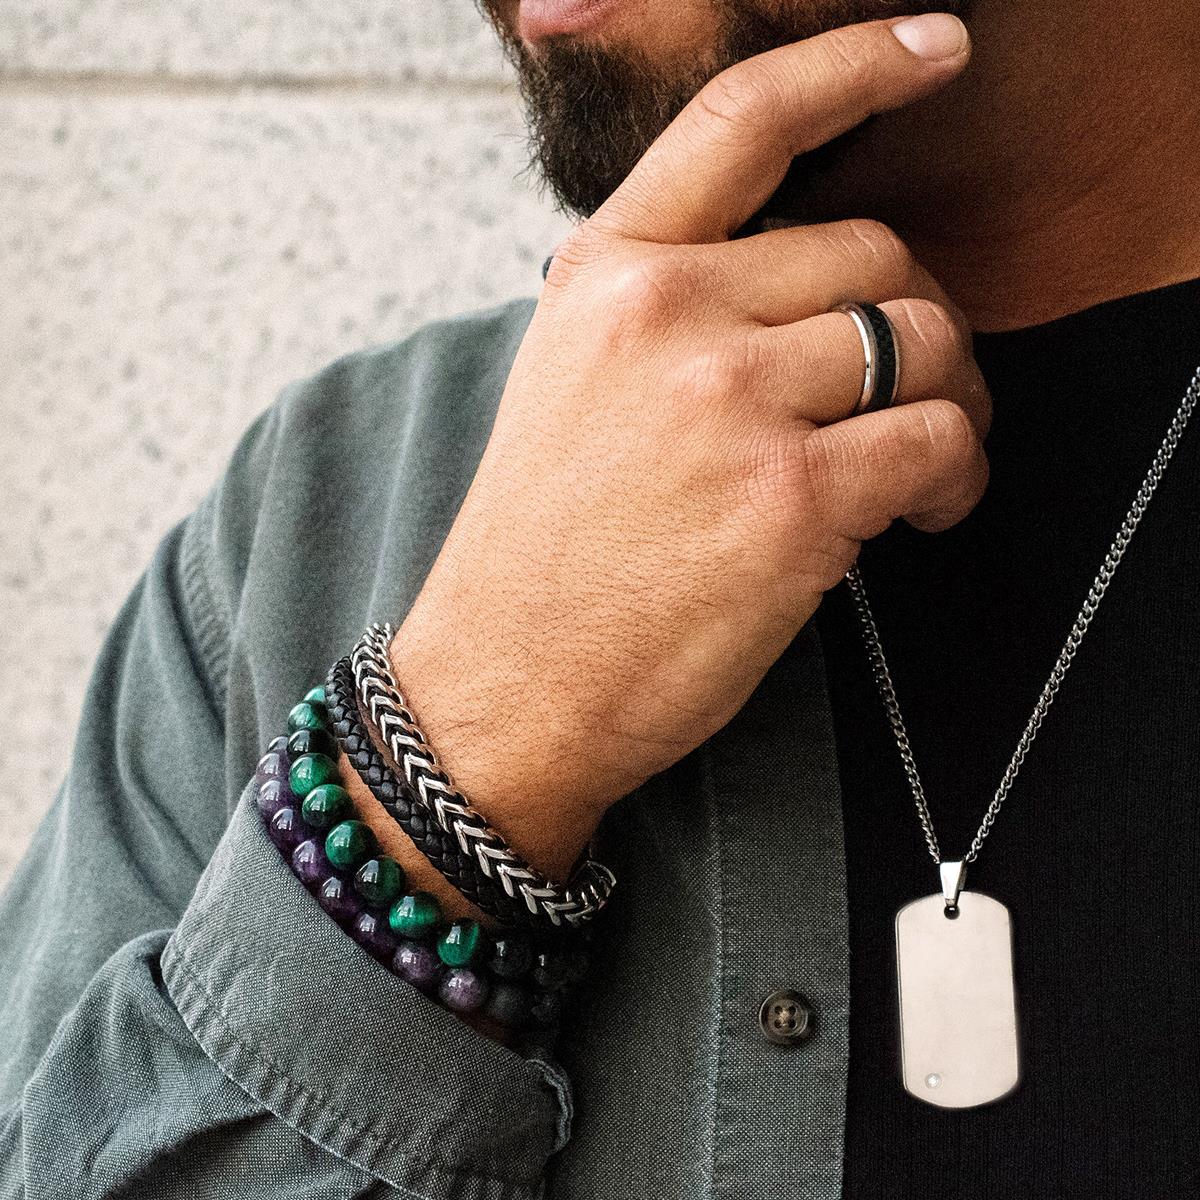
[[199, 202]]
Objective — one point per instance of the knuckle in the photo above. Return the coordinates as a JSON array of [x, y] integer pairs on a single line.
[[722, 373], [933, 326], [573, 256], [950, 435], [958, 491], [962, 327], [882, 244], [733, 97], [823, 462], [580, 247], [776, 475], [642, 295], [808, 552]]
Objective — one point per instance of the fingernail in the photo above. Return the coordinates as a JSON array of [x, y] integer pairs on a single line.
[[933, 36]]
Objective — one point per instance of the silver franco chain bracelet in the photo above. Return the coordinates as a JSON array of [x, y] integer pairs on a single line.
[[385, 709]]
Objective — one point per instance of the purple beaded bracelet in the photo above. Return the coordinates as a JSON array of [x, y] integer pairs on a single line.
[[517, 981]]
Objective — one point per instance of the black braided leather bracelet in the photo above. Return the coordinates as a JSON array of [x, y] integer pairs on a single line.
[[386, 713], [439, 847]]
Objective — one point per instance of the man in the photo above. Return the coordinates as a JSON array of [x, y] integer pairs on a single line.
[[612, 528]]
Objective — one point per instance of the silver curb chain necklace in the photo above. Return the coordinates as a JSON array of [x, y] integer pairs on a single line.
[[954, 963]]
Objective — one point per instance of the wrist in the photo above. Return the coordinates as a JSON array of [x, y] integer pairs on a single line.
[[536, 793]]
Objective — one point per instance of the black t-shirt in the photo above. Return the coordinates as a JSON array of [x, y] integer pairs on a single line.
[[1097, 850]]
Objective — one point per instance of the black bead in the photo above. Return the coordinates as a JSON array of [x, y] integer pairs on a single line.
[[511, 957], [509, 1004], [277, 745], [578, 962], [546, 1008], [550, 971], [311, 741]]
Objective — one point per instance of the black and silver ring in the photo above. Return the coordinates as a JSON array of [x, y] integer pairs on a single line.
[[881, 379]]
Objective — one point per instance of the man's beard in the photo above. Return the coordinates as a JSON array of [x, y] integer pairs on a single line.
[[593, 111]]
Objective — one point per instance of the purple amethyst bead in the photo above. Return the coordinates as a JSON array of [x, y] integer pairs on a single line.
[[310, 863], [273, 794], [417, 964], [338, 899], [371, 932], [278, 744], [273, 765], [462, 989], [287, 828]]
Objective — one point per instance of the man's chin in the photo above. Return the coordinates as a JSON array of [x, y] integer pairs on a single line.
[[595, 108]]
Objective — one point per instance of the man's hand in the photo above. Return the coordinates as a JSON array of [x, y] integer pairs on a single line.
[[671, 483]]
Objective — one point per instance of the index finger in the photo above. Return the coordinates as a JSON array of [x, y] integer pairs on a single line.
[[719, 161]]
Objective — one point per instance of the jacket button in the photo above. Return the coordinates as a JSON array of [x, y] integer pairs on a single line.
[[786, 1018]]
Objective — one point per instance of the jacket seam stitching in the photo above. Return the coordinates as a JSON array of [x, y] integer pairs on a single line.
[[211, 631]]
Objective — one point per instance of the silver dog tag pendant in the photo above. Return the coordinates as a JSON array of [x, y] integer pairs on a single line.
[[958, 1015]]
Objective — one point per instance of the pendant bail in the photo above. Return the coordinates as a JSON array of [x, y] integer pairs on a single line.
[[954, 876]]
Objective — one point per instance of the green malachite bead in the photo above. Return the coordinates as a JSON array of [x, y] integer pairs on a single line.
[[348, 844], [460, 944], [307, 715], [326, 805], [415, 916], [315, 696], [379, 880], [310, 771]]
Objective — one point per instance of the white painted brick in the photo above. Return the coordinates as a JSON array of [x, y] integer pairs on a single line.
[[166, 265], [303, 39]]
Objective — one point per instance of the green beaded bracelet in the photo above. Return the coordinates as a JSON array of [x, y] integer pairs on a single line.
[[349, 844], [310, 771], [460, 945], [380, 881], [415, 916], [308, 714], [326, 805]]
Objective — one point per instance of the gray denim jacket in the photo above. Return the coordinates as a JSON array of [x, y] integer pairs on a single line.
[[180, 1018]]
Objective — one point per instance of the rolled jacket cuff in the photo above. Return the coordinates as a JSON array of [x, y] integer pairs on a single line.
[[302, 1018]]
